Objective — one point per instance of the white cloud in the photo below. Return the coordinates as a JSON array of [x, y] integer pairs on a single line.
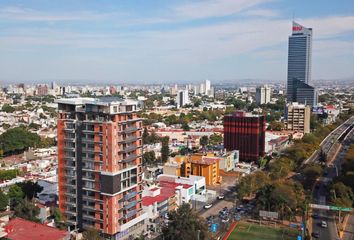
[[27, 14], [262, 13], [214, 8]]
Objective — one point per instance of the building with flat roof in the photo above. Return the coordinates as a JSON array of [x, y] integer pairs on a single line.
[[99, 165], [263, 94], [195, 164], [298, 117], [246, 133]]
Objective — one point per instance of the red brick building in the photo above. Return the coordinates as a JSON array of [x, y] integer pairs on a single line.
[[99, 165], [246, 133]]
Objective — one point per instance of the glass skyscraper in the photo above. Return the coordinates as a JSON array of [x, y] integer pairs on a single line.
[[299, 66]]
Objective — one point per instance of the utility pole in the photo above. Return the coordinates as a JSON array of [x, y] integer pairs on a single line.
[[198, 234]]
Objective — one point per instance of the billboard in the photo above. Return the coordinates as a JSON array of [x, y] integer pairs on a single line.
[[266, 214]]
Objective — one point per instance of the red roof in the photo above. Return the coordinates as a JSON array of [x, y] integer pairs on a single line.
[[173, 185], [331, 107], [21, 229], [165, 194]]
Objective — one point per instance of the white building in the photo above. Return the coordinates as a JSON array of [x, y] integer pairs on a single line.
[[263, 95], [182, 98]]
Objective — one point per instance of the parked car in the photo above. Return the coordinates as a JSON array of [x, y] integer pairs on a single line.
[[207, 206], [225, 220], [237, 217], [221, 197]]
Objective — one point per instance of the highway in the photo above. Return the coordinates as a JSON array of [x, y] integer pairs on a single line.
[[320, 192], [330, 140]]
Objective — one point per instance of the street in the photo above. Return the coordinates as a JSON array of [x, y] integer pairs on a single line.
[[320, 192]]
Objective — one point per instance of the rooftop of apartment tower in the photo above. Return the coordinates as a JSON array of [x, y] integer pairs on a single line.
[[105, 104]]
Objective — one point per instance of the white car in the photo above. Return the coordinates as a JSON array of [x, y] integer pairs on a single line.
[[221, 197], [225, 220], [208, 206], [324, 224]]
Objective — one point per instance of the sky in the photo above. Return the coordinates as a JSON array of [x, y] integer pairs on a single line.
[[159, 41]]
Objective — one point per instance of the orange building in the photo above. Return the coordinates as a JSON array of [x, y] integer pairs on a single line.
[[207, 166]]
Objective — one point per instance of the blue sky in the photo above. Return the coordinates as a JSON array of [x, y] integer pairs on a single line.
[[158, 41]]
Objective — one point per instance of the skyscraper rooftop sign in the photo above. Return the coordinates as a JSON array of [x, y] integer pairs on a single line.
[[297, 28]]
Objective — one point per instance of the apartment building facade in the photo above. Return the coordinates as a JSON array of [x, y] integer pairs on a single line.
[[298, 117], [99, 165], [245, 132]]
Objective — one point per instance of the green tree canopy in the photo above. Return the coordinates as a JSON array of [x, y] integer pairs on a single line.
[[311, 173], [27, 210], [7, 108], [204, 140], [185, 223], [30, 189], [149, 158], [3, 201], [250, 184], [165, 149], [17, 140]]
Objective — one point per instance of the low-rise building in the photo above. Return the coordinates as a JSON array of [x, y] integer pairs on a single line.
[[196, 164]]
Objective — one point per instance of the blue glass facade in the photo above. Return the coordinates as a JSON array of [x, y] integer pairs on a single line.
[[299, 66]]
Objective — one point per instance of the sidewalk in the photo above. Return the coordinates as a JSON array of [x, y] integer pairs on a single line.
[[348, 225]]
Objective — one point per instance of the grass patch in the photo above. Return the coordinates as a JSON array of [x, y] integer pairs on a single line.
[[249, 231]]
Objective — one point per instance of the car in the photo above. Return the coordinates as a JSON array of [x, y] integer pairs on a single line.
[[221, 197], [237, 217], [316, 234], [207, 206], [324, 224], [225, 220], [315, 215]]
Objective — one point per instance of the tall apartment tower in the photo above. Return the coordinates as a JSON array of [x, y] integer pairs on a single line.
[[246, 133], [263, 95], [298, 117], [99, 165], [299, 66], [182, 98]]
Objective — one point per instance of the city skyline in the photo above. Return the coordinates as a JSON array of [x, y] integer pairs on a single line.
[[164, 42]]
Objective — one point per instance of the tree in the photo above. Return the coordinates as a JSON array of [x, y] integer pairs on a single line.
[[276, 126], [185, 126], [26, 210], [185, 223], [149, 158], [18, 139], [204, 140], [59, 219], [15, 195], [91, 234], [8, 174], [342, 195], [3, 201], [215, 139], [251, 183], [281, 167], [145, 136], [30, 189], [7, 108], [311, 173], [165, 149]]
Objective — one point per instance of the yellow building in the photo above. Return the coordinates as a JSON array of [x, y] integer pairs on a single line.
[[196, 164]]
